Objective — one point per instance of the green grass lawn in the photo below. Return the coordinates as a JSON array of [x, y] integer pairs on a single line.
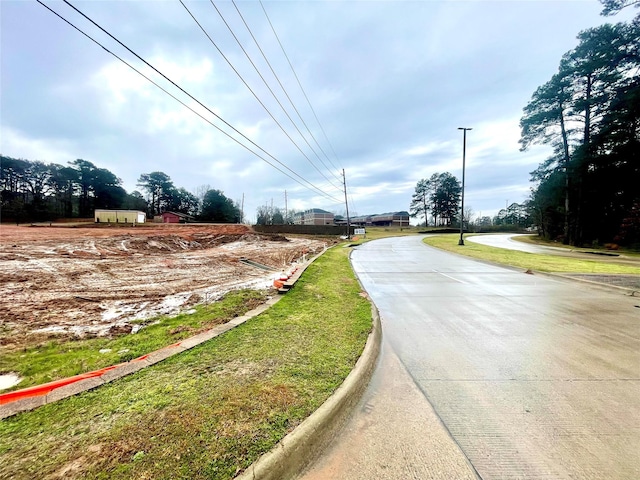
[[537, 240], [213, 410], [524, 260]]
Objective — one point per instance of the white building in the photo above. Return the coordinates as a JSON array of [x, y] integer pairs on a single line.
[[120, 216]]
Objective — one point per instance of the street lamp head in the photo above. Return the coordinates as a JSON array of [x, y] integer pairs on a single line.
[[463, 128]]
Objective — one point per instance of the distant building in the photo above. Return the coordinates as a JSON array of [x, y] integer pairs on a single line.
[[393, 219], [119, 216], [313, 216], [174, 217]]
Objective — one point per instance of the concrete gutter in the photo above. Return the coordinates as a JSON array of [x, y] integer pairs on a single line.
[[306, 442], [295, 452]]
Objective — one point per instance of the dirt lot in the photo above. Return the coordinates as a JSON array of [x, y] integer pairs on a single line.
[[64, 281]]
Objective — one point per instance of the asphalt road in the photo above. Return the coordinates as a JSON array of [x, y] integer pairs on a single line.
[[491, 372]]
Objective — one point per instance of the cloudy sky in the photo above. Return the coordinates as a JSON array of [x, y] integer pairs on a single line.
[[389, 82]]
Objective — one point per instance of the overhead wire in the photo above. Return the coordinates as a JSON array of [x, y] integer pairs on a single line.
[[300, 85], [247, 85], [305, 96], [165, 91], [309, 185], [284, 90], [273, 93], [303, 92]]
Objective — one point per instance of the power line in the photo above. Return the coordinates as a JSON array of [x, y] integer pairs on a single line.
[[190, 96], [245, 83], [165, 91], [284, 90], [300, 84]]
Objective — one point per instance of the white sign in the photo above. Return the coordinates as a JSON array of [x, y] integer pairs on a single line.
[[359, 231]]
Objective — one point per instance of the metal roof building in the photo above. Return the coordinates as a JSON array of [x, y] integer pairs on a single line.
[[119, 216], [392, 219]]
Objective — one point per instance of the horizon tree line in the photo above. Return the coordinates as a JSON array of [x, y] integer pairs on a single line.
[[38, 191], [440, 196]]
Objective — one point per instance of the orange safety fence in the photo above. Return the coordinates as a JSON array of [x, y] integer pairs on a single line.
[[46, 388]]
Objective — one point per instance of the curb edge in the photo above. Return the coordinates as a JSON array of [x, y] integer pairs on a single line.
[[305, 443]]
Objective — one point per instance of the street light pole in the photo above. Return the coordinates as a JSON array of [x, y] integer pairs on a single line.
[[464, 154]]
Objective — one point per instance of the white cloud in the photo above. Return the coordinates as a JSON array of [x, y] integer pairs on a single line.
[[422, 150], [185, 72], [18, 145], [118, 82]]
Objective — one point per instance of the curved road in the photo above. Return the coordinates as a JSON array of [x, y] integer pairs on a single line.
[[507, 241], [491, 373]]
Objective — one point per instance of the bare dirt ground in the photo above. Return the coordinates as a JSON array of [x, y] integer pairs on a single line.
[[69, 282]]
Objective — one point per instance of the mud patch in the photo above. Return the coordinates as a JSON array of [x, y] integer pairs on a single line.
[[82, 282]]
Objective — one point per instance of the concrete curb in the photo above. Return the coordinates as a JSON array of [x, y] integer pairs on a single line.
[[307, 441], [9, 408]]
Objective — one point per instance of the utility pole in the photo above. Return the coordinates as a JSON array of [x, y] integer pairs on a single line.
[[285, 207], [344, 183], [242, 209], [464, 152]]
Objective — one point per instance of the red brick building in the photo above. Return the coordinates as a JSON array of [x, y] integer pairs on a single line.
[[173, 217], [314, 216]]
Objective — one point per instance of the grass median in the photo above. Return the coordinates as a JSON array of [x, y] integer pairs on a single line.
[[528, 261], [213, 410], [597, 248]]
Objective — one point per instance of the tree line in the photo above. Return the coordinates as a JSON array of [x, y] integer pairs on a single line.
[[37, 191], [438, 196], [588, 190], [437, 201]]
